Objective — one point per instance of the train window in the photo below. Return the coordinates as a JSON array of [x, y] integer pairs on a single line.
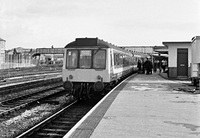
[[116, 59], [125, 61], [85, 58], [99, 60], [72, 58], [120, 59]]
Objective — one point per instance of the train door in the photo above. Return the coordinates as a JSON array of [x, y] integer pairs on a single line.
[[182, 62], [111, 66]]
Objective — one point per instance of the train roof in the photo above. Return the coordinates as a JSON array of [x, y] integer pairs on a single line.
[[91, 43], [98, 43]]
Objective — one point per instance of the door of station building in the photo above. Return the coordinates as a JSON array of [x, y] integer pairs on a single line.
[[182, 62]]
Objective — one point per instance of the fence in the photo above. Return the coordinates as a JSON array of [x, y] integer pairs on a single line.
[[17, 61]]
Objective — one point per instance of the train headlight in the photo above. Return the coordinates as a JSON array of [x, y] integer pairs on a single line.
[[98, 86], [68, 85], [70, 77]]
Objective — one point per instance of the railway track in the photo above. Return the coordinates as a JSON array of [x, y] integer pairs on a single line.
[[18, 102], [9, 73], [62, 121], [27, 85], [28, 73], [26, 78]]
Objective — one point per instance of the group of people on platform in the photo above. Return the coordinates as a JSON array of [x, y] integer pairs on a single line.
[[147, 66]]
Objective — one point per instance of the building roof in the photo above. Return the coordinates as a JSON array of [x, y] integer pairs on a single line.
[[137, 46], [195, 38], [177, 42], [161, 49], [2, 39], [169, 44]]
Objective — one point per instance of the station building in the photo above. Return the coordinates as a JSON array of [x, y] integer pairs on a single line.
[[179, 59], [183, 58], [19, 57], [2, 52], [195, 65]]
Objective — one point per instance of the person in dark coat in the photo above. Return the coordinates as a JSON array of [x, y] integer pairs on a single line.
[[139, 66], [148, 66], [164, 65], [155, 66], [143, 68]]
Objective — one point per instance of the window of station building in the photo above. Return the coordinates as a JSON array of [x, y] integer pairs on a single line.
[[99, 59], [85, 58], [72, 59]]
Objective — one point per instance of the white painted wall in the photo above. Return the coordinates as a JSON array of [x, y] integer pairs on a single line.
[[2, 53], [195, 56], [172, 51], [196, 50]]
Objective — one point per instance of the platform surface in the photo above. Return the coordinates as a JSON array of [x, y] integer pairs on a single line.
[[145, 106]]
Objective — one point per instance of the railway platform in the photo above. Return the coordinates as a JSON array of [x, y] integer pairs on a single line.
[[144, 106]]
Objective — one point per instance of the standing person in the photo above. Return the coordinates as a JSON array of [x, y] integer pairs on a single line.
[[139, 66], [148, 66], [155, 65], [143, 66], [159, 65], [164, 65]]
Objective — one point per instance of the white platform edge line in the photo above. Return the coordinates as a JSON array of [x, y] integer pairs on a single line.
[[90, 112]]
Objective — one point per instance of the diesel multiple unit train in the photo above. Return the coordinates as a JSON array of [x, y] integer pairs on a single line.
[[92, 65]]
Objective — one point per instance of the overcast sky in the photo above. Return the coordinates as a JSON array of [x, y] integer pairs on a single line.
[[43, 23]]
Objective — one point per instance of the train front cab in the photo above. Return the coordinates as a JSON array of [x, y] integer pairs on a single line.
[[86, 70]]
